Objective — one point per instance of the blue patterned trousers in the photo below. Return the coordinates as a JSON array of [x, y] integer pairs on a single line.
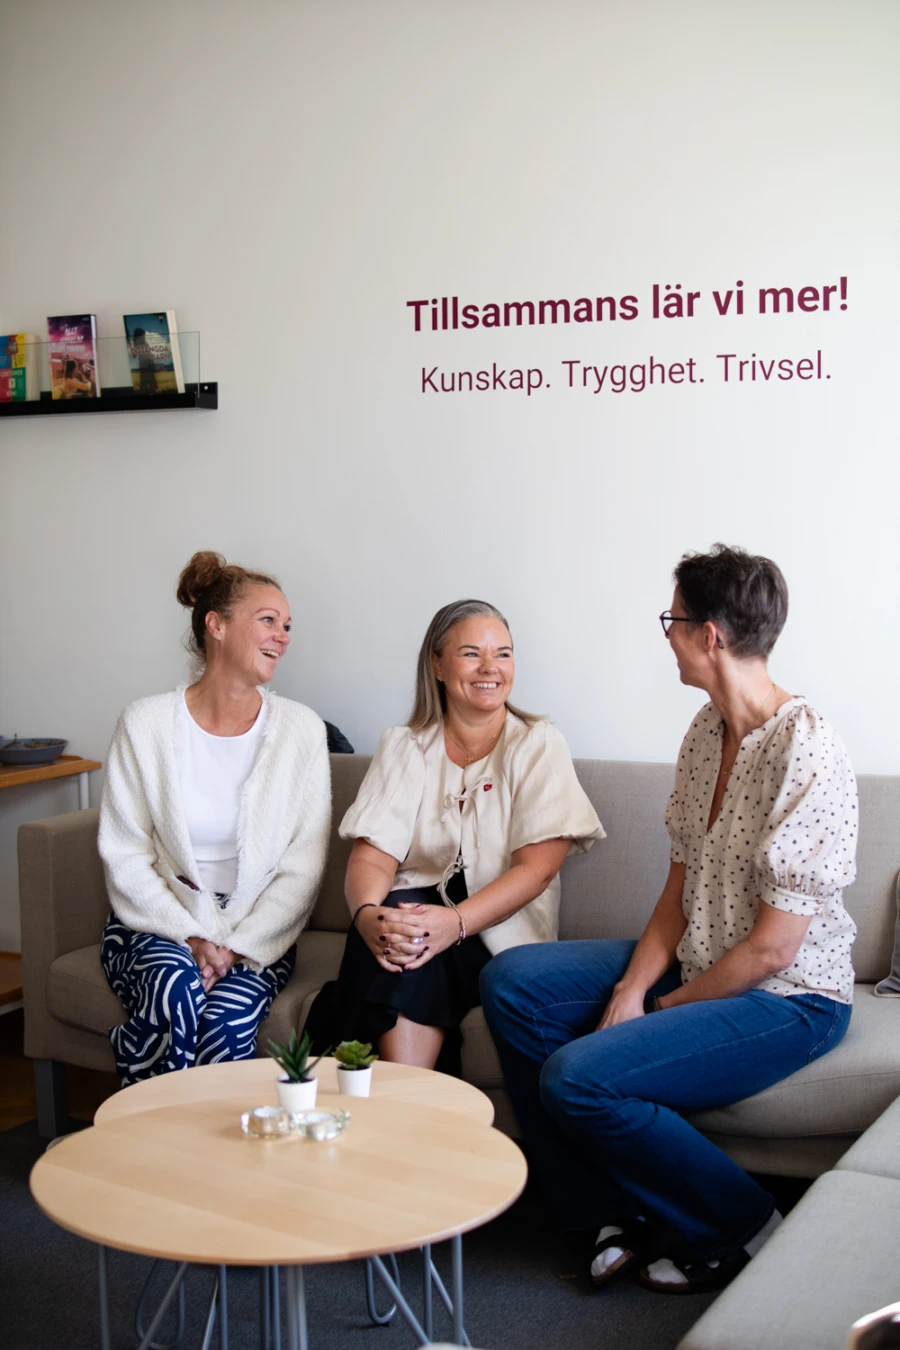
[[173, 1023]]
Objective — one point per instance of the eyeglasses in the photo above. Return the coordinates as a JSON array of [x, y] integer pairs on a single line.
[[667, 618]]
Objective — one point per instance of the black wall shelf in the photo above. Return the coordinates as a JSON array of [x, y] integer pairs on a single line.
[[203, 395]]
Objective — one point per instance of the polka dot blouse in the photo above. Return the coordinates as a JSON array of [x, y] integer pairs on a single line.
[[785, 835]]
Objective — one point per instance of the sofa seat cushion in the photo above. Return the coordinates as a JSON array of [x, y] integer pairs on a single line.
[[878, 1150], [318, 959], [841, 1093], [77, 992], [833, 1260], [480, 1061]]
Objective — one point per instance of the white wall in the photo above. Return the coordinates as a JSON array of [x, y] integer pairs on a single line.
[[287, 176]]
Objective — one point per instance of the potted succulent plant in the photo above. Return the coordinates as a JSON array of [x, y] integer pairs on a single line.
[[297, 1086], [354, 1068]]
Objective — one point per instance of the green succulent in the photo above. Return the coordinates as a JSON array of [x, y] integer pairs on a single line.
[[354, 1055], [294, 1057]]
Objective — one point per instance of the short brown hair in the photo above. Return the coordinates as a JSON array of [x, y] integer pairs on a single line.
[[745, 594], [209, 584]]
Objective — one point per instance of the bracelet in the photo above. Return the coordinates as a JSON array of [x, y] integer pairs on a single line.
[[357, 912], [462, 922], [652, 1004]]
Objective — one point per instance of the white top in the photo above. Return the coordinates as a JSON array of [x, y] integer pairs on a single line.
[[418, 806], [283, 826], [212, 772], [785, 835]]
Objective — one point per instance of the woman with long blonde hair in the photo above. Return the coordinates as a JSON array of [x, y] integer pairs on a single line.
[[460, 828]]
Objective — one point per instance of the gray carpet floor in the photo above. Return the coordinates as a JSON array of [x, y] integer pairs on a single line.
[[525, 1288]]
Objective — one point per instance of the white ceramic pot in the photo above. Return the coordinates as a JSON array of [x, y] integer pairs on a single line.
[[354, 1082], [296, 1097]]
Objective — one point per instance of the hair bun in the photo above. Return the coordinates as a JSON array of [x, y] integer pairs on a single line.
[[202, 572]]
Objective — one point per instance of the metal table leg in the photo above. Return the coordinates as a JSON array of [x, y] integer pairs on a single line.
[[403, 1307], [457, 1282], [147, 1340], [380, 1319], [210, 1315], [276, 1310], [141, 1309], [265, 1310], [84, 800], [298, 1336], [427, 1290], [223, 1308], [103, 1281]]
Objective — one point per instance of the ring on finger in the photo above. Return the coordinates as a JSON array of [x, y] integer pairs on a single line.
[[417, 941]]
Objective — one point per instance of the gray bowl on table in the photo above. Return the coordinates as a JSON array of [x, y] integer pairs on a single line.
[[31, 750]]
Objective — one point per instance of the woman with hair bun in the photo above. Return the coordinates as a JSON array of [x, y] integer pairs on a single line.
[[213, 833], [460, 828]]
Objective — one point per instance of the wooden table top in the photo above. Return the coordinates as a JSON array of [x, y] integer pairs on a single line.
[[12, 775], [184, 1183], [253, 1080]]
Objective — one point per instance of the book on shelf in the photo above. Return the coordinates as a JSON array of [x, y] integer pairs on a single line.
[[72, 350], [20, 367], [153, 352]]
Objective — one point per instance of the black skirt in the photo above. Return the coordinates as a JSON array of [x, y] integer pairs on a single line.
[[365, 1000]]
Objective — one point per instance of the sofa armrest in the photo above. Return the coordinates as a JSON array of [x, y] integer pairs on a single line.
[[62, 901]]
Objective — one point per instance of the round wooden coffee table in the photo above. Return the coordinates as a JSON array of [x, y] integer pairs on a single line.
[[402, 1176], [255, 1079]]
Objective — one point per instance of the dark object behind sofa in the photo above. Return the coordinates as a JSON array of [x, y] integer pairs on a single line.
[[337, 741]]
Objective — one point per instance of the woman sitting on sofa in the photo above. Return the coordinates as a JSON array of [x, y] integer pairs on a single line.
[[742, 975], [460, 827], [213, 834]]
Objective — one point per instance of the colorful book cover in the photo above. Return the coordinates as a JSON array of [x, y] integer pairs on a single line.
[[73, 356], [12, 384], [153, 352], [20, 375]]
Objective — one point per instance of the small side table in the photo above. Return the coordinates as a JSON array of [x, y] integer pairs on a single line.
[[64, 767]]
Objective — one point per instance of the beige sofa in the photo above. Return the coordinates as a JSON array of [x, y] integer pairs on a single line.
[[799, 1127], [832, 1261]]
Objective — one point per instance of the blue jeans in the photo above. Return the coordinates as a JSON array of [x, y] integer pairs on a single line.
[[602, 1112]]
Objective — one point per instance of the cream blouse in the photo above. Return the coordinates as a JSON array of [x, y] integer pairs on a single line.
[[785, 835], [418, 806]]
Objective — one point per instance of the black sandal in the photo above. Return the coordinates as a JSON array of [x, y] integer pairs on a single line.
[[633, 1243], [700, 1277]]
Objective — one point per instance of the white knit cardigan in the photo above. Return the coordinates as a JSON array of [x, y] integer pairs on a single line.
[[283, 830]]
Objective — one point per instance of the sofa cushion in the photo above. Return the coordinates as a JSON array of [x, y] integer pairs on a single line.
[[480, 1061], [833, 1260], [330, 912], [841, 1093], [878, 1150], [77, 992]]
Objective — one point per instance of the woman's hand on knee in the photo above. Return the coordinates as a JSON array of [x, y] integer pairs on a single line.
[[624, 1006], [370, 924], [435, 929], [206, 954], [226, 960]]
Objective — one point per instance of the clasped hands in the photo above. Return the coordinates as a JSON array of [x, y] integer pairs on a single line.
[[213, 962], [409, 936]]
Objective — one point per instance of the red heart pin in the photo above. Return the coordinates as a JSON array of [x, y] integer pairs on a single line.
[[488, 786]]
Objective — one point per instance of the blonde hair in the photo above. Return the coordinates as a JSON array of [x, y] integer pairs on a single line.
[[430, 702]]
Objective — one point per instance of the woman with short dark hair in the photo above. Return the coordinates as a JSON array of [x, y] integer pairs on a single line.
[[744, 965]]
